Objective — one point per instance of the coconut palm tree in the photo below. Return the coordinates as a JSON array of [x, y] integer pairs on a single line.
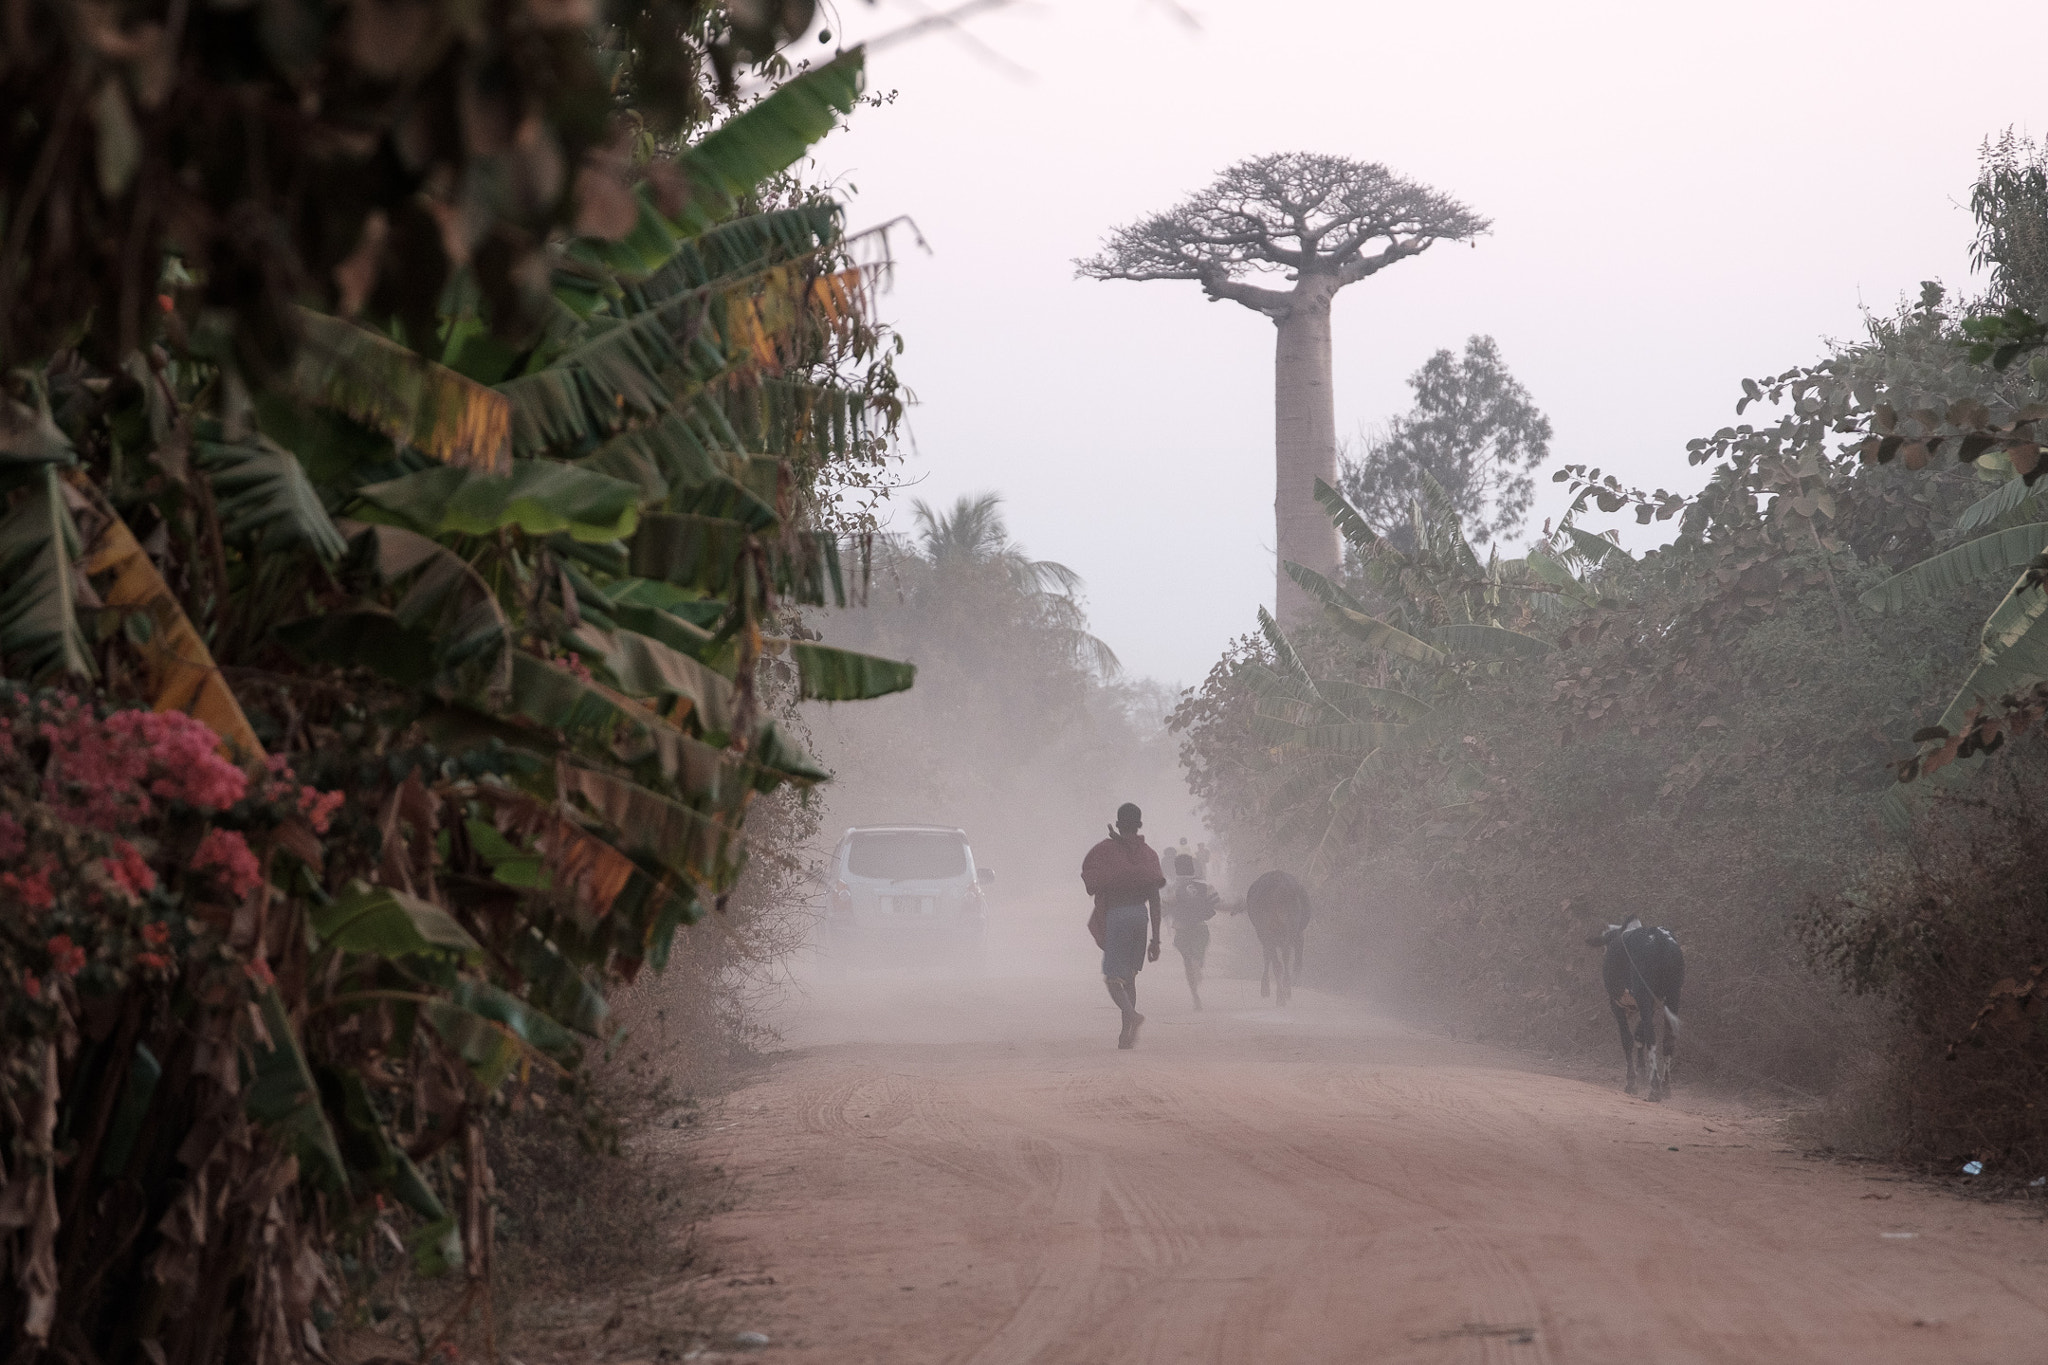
[[972, 537]]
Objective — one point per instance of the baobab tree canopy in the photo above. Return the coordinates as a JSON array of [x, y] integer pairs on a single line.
[[1320, 223]]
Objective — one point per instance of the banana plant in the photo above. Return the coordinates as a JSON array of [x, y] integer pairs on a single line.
[[1330, 737], [2012, 652], [559, 574]]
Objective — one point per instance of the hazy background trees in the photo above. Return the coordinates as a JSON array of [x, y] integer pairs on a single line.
[[1021, 729], [1474, 429], [1711, 734]]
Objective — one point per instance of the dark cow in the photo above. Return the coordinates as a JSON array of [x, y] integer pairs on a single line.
[[1644, 972], [1279, 911]]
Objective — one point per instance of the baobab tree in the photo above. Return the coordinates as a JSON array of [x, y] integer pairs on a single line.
[[1320, 222]]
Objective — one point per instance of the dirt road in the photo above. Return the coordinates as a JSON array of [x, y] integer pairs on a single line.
[[968, 1172]]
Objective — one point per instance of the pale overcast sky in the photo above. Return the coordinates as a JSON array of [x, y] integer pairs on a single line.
[[1681, 196]]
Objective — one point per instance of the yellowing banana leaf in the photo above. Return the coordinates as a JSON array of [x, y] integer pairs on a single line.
[[182, 673], [641, 666], [400, 393], [689, 842], [539, 497]]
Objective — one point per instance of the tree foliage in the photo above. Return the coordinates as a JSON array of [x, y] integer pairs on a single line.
[[1474, 431], [1314, 217]]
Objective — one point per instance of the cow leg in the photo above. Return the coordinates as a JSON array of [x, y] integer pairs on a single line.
[[1265, 970], [1628, 1046], [1664, 1052], [1283, 980]]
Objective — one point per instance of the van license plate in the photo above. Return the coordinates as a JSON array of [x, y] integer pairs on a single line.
[[912, 905]]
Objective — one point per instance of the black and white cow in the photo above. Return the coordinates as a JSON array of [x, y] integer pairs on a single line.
[[1644, 972]]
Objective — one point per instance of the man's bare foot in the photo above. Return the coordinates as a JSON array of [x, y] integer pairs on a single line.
[[1137, 1022]]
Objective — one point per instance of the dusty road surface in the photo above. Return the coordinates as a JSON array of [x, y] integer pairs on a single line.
[[966, 1170]]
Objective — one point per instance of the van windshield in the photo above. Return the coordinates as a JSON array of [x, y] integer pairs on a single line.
[[904, 856]]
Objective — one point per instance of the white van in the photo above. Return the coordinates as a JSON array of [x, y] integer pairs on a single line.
[[907, 880]]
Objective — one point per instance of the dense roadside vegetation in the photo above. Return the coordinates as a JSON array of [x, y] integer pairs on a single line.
[[1478, 760], [418, 432]]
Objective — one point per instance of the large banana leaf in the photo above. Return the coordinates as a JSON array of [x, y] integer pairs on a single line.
[[1350, 522], [448, 629], [738, 248], [1350, 695], [1552, 572], [603, 723], [540, 497], [764, 140], [266, 499], [1321, 588], [394, 390], [684, 840], [1377, 634], [1594, 549], [387, 922], [283, 1096], [39, 631], [1973, 561], [688, 550], [642, 666], [828, 674], [1996, 504]]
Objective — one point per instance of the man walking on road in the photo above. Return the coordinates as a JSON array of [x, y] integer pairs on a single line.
[[1122, 873], [1190, 904]]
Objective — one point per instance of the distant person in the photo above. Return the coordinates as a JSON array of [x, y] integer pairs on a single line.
[[1122, 874], [1202, 861], [1190, 903]]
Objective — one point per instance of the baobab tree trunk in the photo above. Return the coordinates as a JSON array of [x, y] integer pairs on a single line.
[[1304, 447]]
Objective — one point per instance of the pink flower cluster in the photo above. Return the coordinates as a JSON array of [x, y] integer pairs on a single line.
[[283, 789], [103, 773], [225, 855], [127, 870]]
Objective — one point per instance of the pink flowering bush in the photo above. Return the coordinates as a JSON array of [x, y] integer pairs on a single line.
[[127, 842]]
